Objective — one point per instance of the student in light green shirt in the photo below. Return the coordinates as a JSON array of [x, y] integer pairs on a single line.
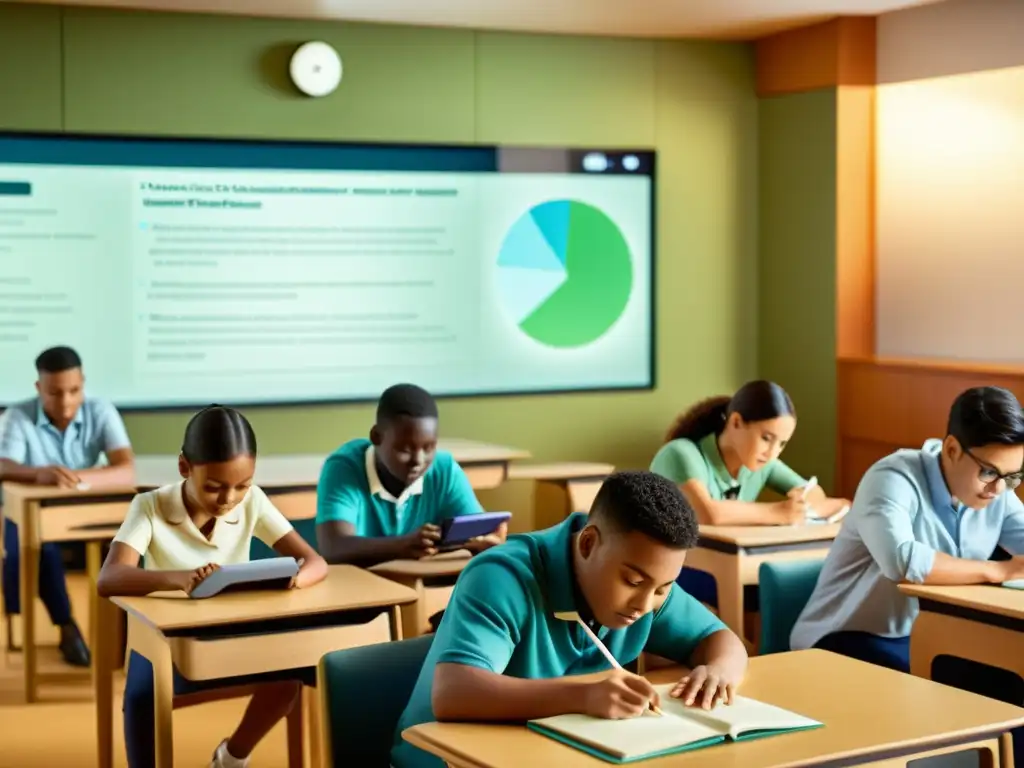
[[723, 452]]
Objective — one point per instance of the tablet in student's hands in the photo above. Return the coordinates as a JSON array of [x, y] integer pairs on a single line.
[[270, 573], [456, 531]]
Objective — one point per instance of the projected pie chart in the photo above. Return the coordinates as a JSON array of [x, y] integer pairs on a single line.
[[565, 273]]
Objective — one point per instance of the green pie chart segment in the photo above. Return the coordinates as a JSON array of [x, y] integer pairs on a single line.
[[565, 273]]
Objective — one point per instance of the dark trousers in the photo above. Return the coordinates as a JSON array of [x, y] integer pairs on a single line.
[[702, 586], [894, 653], [53, 588], [139, 729]]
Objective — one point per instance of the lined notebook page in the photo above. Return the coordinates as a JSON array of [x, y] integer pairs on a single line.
[[630, 738], [741, 716]]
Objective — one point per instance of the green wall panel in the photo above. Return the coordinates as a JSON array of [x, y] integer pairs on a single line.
[[536, 89], [797, 328], [228, 76], [30, 68]]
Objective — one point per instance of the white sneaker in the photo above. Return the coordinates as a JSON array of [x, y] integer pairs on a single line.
[[224, 759]]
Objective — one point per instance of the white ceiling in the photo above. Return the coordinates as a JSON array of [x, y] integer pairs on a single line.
[[743, 19]]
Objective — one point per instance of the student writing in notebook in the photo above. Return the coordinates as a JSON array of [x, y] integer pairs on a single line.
[[185, 531], [722, 453], [385, 498], [59, 438], [504, 651], [934, 515]]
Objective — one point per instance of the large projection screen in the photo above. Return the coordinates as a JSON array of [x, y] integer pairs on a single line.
[[187, 272]]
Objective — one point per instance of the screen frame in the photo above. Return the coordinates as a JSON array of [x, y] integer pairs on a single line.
[[575, 152]]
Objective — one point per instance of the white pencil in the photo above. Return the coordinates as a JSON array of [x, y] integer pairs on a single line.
[[808, 488], [573, 616]]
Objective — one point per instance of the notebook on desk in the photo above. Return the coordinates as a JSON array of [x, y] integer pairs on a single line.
[[679, 729], [1015, 584]]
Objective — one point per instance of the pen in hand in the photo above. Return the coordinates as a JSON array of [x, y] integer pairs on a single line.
[[573, 616]]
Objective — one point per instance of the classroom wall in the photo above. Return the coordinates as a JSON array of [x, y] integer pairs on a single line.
[[797, 247], [950, 158], [169, 74]]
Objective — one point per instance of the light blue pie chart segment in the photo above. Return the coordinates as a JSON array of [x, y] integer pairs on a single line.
[[522, 290], [529, 269], [526, 246]]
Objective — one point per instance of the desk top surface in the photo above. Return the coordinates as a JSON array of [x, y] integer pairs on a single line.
[[281, 471], [983, 597], [345, 588], [447, 564], [867, 710], [565, 471], [770, 535]]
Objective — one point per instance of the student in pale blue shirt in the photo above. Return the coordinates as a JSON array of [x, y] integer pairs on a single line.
[[385, 498], [59, 438], [944, 514]]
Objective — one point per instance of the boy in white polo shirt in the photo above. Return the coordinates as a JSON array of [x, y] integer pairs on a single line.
[[185, 532]]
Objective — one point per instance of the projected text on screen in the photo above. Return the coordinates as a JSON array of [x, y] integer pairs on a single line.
[[193, 272]]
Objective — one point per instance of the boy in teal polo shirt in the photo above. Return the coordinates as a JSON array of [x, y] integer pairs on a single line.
[[385, 498], [501, 654]]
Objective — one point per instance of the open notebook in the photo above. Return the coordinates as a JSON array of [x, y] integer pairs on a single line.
[[679, 729]]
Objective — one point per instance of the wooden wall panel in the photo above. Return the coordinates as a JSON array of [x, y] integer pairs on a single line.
[[889, 404], [829, 54]]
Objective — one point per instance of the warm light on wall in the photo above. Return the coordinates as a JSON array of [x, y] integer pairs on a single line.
[[950, 217]]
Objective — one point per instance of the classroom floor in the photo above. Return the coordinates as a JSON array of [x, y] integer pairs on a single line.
[[60, 729]]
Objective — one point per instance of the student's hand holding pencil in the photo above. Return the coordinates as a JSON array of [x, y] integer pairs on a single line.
[[619, 696]]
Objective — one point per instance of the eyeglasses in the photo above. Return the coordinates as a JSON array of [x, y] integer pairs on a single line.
[[989, 475]]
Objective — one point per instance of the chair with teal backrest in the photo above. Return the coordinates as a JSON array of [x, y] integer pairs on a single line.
[[305, 528], [363, 692], [785, 589]]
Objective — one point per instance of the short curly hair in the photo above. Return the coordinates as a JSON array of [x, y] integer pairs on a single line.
[[405, 400], [649, 504]]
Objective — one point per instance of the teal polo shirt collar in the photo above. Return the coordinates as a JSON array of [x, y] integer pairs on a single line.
[[43, 421], [560, 586], [709, 447]]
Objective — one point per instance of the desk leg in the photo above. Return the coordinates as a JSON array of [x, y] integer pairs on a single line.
[[414, 615], [1006, 751], [104, 637], [153, 645], [28, 541], [93, 552], [395, 623], [311, 702]]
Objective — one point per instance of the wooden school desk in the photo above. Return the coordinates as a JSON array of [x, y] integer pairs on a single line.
[[94, 516], [561, 489], [422, 576], [873, 716], [981, 623], [241, 633], [733, 555]]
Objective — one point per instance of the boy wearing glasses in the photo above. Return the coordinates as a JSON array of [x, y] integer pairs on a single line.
[[936, 515]]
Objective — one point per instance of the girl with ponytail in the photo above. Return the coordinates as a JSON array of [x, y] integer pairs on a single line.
[[723, 452]]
